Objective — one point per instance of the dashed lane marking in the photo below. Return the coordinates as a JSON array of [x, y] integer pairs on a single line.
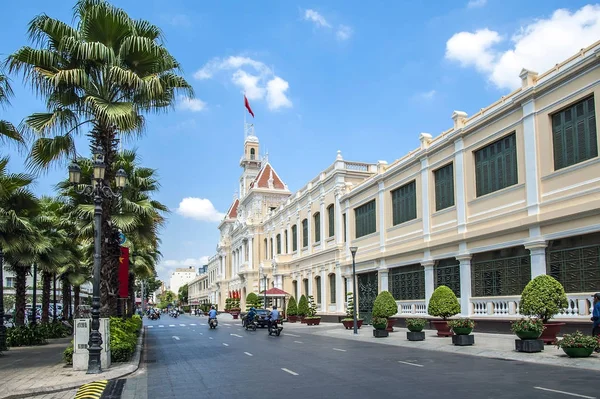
[[175, 338], [201, 333], [150, 326], [299, 342], [410, 364], [161, 326], [224, 344], [235, 335], [249, 354], [182, 325], [565, 393], [339, 350], [193, 324], [210, 337], [171, 325], [289, 371], [292, 335]]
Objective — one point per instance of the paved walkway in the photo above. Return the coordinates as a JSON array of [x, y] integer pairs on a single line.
[[498, 346], [39, 370]]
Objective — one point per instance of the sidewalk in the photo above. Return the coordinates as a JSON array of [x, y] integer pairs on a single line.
[[497, 346], [37, 370]]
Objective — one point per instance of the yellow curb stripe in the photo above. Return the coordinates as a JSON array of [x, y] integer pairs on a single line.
[[92, 390]]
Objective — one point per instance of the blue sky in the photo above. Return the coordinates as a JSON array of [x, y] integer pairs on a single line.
[[321, 77]]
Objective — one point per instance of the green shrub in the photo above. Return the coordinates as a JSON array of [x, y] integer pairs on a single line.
[[462, 323], [54, 330], [228, 303], [416, 323], [379, 323], [527, 324], [252, 301], [312, 308], [123, 337], [26, 336], [350, 308], [68, 354], [385, 305], [303, 306], [292, 309], [543, 297], [577, 340], [443, 303], [186, 309]]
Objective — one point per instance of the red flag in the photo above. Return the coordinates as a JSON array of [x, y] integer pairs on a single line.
[[247, 104], [124, 273]]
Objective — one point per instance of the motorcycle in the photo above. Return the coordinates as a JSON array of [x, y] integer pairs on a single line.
[[213, 323], [275, 329], [251, 325], [154, 316]]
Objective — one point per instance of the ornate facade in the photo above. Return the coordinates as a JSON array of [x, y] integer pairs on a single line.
[[504, 195]]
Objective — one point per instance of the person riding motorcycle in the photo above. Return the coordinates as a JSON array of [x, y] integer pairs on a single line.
[[212, 314], [250, 316], [273, 317]]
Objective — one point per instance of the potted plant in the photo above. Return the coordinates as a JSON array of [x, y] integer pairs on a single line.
[[252, 301], [379, 327], [385, 306], [292, 311], [348, 321], [527, 328], [444, 304], [415, 329], [462, 326], [311, 318], [544, 297], [235, 308], [228, 304], [577, 344], [302, 308]]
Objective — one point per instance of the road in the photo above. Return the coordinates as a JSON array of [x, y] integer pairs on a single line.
[[185, 359]]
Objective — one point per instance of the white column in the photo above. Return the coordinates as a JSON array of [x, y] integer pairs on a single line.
[[322, 221], [309, 219], [348, 238], [324, 296], [310, 284], [339, 290], [243, 254], [531, 160], [537, 253], [381, 212], [250, 253], [339, 234], [460, 190], [298, 287], [298, 235], [425, 211], [429, 279], [465, 284], [349, 287], [384, 282]]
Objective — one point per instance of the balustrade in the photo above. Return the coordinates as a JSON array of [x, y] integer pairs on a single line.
[[412, 307], [579, 306]]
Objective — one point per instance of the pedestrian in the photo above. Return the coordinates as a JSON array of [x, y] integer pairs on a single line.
[[596, 317]]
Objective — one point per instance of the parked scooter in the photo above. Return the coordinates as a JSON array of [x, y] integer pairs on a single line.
[[213, 323]]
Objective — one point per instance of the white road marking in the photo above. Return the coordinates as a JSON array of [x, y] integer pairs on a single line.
[[235, 335], [150, 326], [299, 342], [339, 350], [410, 364], [182, 325], [565, 393], [289, 371], [225, 344], [192, 324], [210, 337], [249, 354], [201, 334], [202, 324], [161, 326], [226, 324], [171, 325], [292, 335], [176, 338]]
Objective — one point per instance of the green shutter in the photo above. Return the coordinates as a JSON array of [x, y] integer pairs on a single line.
[[294, 238], [344, 226], [365, 217], [278, 244], [332, 288], [444, 187], [305, 233], [318, 282], [318, 227], [496, 166], [331, 216], [404, 203]]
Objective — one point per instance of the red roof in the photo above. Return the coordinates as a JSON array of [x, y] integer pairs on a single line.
[[265, 174], [232, 212], [275, 291]]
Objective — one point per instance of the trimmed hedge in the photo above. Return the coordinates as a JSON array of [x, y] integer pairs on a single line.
[[443, 303], [292, 309], [543, 297], [385, 305], [303, 306]]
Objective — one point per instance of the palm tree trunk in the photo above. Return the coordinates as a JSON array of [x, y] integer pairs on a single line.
[[20, 294], [66, 296], [76, 299], [46, 282]]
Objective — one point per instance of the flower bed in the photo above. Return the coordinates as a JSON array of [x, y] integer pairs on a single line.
[[577, 344]]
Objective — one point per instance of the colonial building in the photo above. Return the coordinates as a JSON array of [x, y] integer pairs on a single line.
[[504, 195], [198, 290]]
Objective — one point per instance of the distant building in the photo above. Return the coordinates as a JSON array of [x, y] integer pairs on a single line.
[[180, 277]]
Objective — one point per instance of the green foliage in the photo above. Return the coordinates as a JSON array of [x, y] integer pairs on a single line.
[[186, 309], [527, 324], [463, 322], [9, 302], [183, 293], [379, 323], [165, 299], [123, 337], [68, 354], [385, 305], [292, 309], [228, 304], [235, 304], [350, 307], [303, 306], [25, 336], [416, 324], [312, 308], [252, 300], [577, 340], [54, 330], [443, 303], [543, 297]]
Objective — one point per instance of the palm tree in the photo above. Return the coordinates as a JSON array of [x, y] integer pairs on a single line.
[[104, 74], [8, 132]]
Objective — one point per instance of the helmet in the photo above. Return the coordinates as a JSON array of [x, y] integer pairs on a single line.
[[212, 307], [252, 308], [274, 307]]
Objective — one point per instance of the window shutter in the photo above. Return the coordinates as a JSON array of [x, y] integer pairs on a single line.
[[558, 142]]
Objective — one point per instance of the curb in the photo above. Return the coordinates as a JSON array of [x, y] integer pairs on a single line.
[[135, 362]]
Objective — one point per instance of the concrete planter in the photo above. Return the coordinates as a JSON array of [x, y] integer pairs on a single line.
[[415, 335], [390, 325], [578, 352], [380, 333], [529, 345], [312, 322], [463, 340], [349, 324], [292, 319]]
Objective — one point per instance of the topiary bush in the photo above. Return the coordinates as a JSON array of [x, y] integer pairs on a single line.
[[543, 297], [303, 306], [385, 305], [252, 301], [292, 309], [312, 308], [443, 303], [350, 308]]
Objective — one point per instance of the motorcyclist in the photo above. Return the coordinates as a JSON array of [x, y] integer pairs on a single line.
[[250, 315], [273, 317], [212, 314]]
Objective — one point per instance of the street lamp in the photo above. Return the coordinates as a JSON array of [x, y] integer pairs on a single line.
[[353, 251], [264, 276], [98, 190]]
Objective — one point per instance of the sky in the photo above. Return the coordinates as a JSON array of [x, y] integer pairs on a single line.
[[320, 77]]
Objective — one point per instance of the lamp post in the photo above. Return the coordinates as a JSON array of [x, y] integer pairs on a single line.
[[353, 251], [2, 328], [264, 276], [98, 190]]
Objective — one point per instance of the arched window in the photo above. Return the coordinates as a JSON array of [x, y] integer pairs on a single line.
[[294, 238], [266, 250], [252, 153], [331, 219], [317, 219], [287, 249], [278, 244], [332, 288], [305, 233]]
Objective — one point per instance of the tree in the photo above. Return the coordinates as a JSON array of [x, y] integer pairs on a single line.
[[101, 76], [543, 297], [183, 294], [303, 306], [443, 303], [252, 300], [8, 132]]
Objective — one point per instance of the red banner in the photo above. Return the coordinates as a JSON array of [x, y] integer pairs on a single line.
[[124, 273]]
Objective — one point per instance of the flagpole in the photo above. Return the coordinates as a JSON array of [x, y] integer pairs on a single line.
[[243, 108]]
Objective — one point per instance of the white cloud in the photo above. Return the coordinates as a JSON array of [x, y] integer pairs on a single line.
[[537, 46], [476, 3], [318, 19], [427, 95], [191, 104], [276, 97], [200, 209], [165, 268], [344, 32], [254, 77]]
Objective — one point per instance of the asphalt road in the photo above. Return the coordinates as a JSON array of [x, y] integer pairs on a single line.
[[185, 359]]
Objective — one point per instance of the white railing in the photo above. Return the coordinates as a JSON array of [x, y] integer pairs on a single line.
[[358, 166], [579, 306], [412, 307]]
